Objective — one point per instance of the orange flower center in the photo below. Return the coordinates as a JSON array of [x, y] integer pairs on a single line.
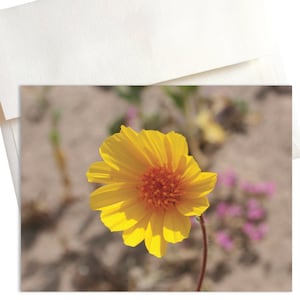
[[161, 188]]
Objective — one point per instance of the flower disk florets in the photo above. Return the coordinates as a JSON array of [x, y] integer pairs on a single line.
[[160, 188]]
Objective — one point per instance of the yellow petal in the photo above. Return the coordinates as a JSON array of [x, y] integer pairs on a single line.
[[154, 240], [176, 147], [194, 201], [99, 172], [136, 234], [154, 146], [176, 226], [129, 132], [201, 185], [136, 145], [119, 153], [124, 216], [213, 132], [111, 194], [193, 207], [189, 168]]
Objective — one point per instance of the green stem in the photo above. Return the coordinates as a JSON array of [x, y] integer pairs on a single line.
[[204, 258]]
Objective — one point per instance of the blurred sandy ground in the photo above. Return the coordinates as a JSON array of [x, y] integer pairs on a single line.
[[70, 249]]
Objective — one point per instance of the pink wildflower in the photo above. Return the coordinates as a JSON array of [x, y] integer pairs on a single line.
[[224, 240], [234, 210], [248, 187], [131, 115], [254, 210], [267, 188], [221, 209], [255, 232], [227, 179]]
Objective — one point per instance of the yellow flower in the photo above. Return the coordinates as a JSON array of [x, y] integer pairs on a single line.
[[212, 131], [152, 187]]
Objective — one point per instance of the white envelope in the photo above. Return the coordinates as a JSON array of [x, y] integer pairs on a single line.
[[102, 42]]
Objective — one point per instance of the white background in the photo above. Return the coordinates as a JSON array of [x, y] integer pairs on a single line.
[[284, 19]]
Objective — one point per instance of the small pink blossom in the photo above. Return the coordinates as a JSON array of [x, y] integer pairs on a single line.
[[248, 187], [221, 209], [254, 210], [131, 115], [227, 179], [267, 188], [224, 240], [255, 232], [234, 210]]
